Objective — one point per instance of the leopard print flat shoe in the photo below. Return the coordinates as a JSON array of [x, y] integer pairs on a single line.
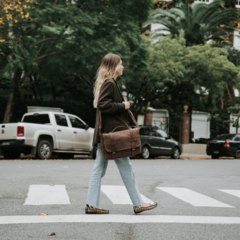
[[139, 208], [94, 210]]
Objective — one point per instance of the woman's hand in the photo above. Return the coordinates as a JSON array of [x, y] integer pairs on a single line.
[[127, 105]]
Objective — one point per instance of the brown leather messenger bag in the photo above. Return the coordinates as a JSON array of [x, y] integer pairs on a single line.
[[125, 143]]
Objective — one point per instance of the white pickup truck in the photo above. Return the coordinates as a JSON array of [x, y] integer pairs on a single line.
[[45, 134]]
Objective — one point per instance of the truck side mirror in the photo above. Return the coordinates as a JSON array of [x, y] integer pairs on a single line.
[[86, 127]]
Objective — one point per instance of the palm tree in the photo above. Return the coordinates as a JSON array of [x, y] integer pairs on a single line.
[[197, 22]]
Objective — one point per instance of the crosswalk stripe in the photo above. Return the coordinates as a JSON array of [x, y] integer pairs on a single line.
[[47, 194], [194, 198], [119, 194], [112, 218], [232, 192]]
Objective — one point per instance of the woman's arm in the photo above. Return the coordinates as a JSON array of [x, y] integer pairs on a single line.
[[105, 101]]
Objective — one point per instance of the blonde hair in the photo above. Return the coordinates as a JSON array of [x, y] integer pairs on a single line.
[[106, 70]]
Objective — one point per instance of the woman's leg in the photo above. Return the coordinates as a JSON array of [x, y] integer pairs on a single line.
[[125, 168], [98, 172]]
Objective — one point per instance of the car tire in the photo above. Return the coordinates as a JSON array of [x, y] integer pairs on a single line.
[[11, 155], [175, 153], [145, 154], [214, 156], [237, 155], [44, 149]]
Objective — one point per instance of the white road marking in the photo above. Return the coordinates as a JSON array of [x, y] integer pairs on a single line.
[[47, 194], [111, 218], [194, 198], [232, 192], [119, 194]]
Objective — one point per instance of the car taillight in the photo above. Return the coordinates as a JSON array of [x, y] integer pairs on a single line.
[[227, 144], [20, 131], [207, 144]]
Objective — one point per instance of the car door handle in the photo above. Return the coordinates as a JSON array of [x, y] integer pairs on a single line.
[[59, 130], [75, 132]]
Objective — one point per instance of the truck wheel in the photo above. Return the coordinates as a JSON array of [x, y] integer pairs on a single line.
[[11, 155], [215, 156], [145, 154], [176, 153], [44, 149]]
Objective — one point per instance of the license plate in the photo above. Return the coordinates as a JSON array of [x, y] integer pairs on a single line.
[[216, 152], [6, 143]]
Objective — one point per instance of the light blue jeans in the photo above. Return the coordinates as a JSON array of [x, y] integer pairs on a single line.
[[99, 170]]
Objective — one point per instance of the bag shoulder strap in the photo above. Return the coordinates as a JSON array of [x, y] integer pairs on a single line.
[[129, 112]]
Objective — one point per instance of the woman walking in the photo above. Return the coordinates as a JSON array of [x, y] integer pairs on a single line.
[[109, 100]]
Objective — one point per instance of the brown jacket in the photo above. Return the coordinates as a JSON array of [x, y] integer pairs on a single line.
[[110, 104]]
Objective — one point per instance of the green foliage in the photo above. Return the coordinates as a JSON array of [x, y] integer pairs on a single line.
[[176, 75], [57, 50], [174, 68], [219, 122], [197, 22], [78, 108], [233, 55]]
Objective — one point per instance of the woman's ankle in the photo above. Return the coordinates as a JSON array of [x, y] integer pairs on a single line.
[[145, 204]]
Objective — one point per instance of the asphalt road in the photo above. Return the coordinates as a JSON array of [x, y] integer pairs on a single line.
[[178, 216]]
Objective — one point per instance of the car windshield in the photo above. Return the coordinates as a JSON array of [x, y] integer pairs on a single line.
[[162, 133], [225, 137]]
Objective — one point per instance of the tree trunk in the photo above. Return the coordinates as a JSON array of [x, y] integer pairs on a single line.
[[237, 124], [231, 95], [214, 107], [33, 87], [11, 98], [190, 108], [226, 98], [36, 82], [222, 105]]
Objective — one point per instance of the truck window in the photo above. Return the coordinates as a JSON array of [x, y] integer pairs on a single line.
[[61, 120], [162, 133], [76, 123], [37, 119]]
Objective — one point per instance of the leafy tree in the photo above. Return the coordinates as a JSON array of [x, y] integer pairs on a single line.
[[58, 45], [197, 23], [171, 64], [180, 72]]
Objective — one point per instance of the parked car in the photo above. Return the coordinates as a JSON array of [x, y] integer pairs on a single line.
[[44, 134], [225, 145], [156, 142]]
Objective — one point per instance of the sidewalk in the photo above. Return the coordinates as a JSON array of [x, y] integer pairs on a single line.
[[192, 155]]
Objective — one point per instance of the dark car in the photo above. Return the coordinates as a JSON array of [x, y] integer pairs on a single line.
[[227, 145], [156, 142]]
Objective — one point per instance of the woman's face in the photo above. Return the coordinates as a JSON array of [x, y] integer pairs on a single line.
[[119, 69]]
